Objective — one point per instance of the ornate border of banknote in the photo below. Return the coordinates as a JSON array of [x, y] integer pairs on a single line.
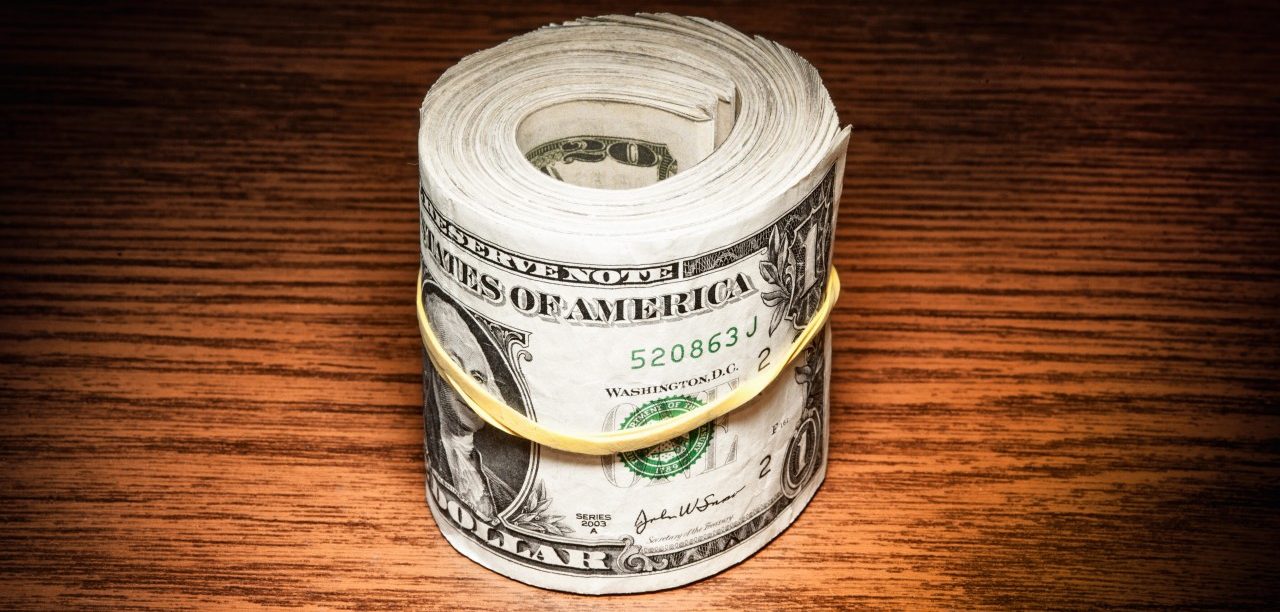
[[523, 533]]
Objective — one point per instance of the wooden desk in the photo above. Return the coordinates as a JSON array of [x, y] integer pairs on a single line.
[[1057, 374]]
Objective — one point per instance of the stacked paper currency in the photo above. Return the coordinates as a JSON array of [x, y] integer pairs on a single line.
[[622, 218]]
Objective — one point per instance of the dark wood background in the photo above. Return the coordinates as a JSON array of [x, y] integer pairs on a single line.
[[1056, 382]]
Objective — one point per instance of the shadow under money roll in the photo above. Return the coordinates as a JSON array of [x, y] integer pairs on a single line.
[[626, 223]]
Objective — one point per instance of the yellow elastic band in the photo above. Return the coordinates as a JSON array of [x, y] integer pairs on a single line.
[[496, 413]]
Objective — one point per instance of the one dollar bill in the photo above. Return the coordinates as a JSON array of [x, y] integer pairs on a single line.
[[645, 245]]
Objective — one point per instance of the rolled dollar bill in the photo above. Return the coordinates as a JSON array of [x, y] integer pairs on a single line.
[[623, 219]]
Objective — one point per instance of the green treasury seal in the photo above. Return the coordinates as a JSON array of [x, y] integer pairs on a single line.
[[675, 455]]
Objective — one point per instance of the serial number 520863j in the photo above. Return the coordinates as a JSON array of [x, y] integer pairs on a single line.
[[696, 348]]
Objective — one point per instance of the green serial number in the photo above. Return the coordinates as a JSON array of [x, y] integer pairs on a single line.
[[659, 356]]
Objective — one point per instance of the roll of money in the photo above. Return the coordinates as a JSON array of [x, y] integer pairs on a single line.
[[624, 218]]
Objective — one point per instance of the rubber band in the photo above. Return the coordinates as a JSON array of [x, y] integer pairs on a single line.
[[496, 413]]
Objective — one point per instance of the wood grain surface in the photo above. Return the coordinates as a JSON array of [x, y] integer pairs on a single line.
[[1056, 372]]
